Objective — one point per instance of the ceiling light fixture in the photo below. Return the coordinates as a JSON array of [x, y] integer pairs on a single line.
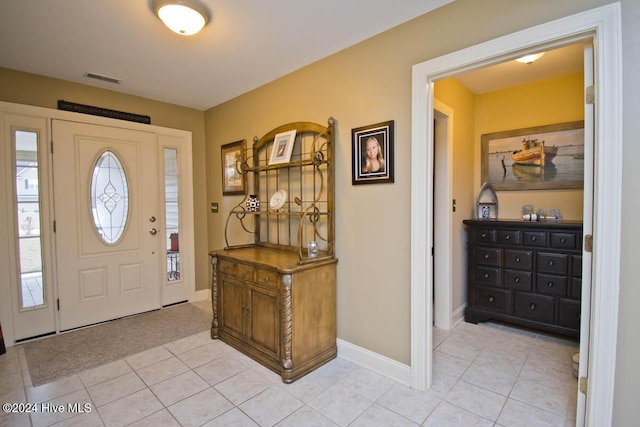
[[184, 17], [528, 59]]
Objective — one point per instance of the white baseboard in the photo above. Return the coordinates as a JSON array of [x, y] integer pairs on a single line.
[[202, 295], [457, 316], [374, 361]]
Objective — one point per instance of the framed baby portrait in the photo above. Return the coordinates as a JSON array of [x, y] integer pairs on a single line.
[[233, 156], [282, 147], [372, 153]]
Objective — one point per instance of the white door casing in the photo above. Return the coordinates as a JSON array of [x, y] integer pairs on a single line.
[[603, 26], [98, 281]]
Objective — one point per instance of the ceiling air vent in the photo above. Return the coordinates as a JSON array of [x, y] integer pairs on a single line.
[[103, 78]]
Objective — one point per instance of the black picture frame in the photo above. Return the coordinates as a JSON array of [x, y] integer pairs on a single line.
[[233, 156], [377, 136]]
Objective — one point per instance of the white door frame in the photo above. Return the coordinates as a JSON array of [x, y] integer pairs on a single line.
[[603, 24], [168, 138]]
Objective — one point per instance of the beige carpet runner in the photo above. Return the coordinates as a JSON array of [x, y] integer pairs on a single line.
[[69, 353]]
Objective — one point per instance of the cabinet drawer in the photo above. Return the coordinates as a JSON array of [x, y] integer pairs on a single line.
[[267, 278], [569, 313], [535, 238], [244, 272], [510, 237], [226, 267], [576, 265], [484, 235], [489, 256], [534, 307], [496, 300], [553, 285], [488, 276], [576, 288], [518, 260], [518, 280], [552, 263], [564, 240]]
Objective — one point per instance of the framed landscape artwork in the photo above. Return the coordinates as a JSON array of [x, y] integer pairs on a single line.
[[233, 156], [549, 157]]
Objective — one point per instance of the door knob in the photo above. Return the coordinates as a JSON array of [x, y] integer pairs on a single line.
[[152, 219], [153, 231]]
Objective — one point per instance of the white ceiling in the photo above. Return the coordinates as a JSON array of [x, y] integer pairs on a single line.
[[246, 44]]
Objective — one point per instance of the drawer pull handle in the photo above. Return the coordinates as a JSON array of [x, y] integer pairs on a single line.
[[532, 306], [516, 280], [550, 263], [534, 238], [563, 240], [486, 256], [486, 275], [483, 235], [517, 259], [507, 237], [491, 299], [550, 285], [266, 279]]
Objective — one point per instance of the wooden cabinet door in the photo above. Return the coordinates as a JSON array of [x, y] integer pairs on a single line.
[[231, 306], [263, 327]]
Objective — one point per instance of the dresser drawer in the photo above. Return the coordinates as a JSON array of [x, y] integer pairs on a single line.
[[245, 272], [518, 280], [552, 285], [518, 260], [576, 265], [534, 307], [552, 263], [576, 288], [226, 267], [496, 300], [484, 235], [510, 237], [569, 313], [240, 271], [488, 276], [488, 256], [267, 278], [564, 240], [535, 238]]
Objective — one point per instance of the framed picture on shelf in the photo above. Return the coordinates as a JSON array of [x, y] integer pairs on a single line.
[[549, 157], [233, 157], [372, 152], [282, 147]]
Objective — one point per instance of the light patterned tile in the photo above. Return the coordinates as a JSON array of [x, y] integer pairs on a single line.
[[201, 355], [131, 408], [308, 417], [368, 383], [161, 418], [87, 419], [518, 414], [341, 404], [550, 399], [161, 371], [447, 364], [271, 406], [115, 389], [11, 382], [490, 379], [54, 389], [448, 415], [179, 387], [234, 417], [377, 415], [243, 386], [105, 372], [220, 369], [185, 344], [499, 359], [412, 404], [58, 409], [148, 357], [477, 400], [200, 408], [15, 420]]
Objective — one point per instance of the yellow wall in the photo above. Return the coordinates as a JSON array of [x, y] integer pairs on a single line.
[[548, 102], [31, 89], [365, 84]]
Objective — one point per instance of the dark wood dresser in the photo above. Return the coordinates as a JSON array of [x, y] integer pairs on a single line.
[[526, 273]]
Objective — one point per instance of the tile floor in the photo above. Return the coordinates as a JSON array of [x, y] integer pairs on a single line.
[[484, 375]]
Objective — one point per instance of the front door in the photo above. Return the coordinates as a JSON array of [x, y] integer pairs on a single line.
[[107, 237]]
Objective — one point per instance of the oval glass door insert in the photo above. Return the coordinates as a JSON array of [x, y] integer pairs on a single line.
[[109, 197]]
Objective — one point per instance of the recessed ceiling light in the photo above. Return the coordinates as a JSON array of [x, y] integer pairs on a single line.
[[185, 17], [528, 59]]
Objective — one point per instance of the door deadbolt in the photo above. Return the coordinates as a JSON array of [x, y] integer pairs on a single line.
[[152, 219]]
